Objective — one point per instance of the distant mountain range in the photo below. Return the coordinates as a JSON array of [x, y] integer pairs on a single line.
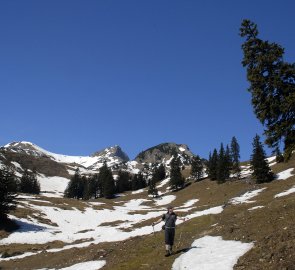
[[26, 155]]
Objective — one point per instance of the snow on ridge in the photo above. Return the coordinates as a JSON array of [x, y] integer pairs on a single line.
[[245, 198], [210, 253]]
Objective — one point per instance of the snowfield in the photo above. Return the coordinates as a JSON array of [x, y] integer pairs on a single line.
[[211, 253], [53, 184]]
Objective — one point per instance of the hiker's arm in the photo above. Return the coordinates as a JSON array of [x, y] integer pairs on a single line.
[[158, 221]]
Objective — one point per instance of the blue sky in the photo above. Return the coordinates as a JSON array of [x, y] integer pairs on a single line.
[[78, 76]]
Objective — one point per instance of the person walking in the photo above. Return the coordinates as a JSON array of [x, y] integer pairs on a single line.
[[170, 219]]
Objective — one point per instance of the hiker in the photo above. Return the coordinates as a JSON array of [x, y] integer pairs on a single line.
[[170, 219]]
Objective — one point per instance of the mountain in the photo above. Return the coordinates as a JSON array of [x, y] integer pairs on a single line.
[[26, 155], [164, 152], [22, 155]]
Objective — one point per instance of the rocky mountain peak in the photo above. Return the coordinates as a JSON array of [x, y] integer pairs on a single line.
[[164, 152], [114, 151]]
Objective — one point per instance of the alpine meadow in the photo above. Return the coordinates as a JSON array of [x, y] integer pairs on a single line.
[[192, 105]]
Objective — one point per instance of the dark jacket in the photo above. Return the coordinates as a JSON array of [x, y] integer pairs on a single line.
[[169, 219]]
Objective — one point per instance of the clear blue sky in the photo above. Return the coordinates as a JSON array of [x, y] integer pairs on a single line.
[[78, 76]]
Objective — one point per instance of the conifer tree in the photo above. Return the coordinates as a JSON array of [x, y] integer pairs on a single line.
[[108, 184], [221, 166], [279, 156], [73, 189], [7, 192], [123, 182], [197, 168], [161, 172], [152, 188], [29, 183], [235, 157], [135, 182], [261, 170], [272, 85], [141, 181], [212, 169], [176, 179]]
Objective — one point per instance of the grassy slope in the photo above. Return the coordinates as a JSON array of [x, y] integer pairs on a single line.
[[271, 227]]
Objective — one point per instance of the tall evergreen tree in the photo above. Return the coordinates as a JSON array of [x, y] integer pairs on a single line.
[[279, 156], [222, 172], [141, 181], [123, 182], [7, 192], [212, 166], [152, 187], [261, 170], [108, 184], [197, 168], [135, 182], [235, 157], [73, 189], [176, 179], [29, 183], [272, 85]]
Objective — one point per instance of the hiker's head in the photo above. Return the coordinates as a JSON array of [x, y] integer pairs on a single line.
[[170, 208]]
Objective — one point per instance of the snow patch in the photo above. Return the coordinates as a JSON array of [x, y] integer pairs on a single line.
[[91, 265], [256, 207], [285, 193], [165, 200], [245, 198], [285, 174], [211, 253]]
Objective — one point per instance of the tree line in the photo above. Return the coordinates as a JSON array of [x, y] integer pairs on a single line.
[[225, 163], [103, 184], [10, 185]]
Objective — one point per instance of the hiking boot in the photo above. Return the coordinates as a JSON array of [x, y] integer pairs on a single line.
[[167, 253]]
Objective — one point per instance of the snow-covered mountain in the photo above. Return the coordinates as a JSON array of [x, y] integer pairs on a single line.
[[26, 155]]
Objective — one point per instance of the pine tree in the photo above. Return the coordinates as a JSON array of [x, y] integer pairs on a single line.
[[152, 188], [161, 172], [212, 166], [176, 179], [7, 192], [279, 156], [235, 157], [197, 168], [228, 161], [29, 183], [221, 166], [135, 182], [73, 189], [141, 181], [272, 85], [107, 181], [261, 170], [123, 182]]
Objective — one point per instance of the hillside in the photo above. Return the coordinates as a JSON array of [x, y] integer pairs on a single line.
[[240, 223]]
